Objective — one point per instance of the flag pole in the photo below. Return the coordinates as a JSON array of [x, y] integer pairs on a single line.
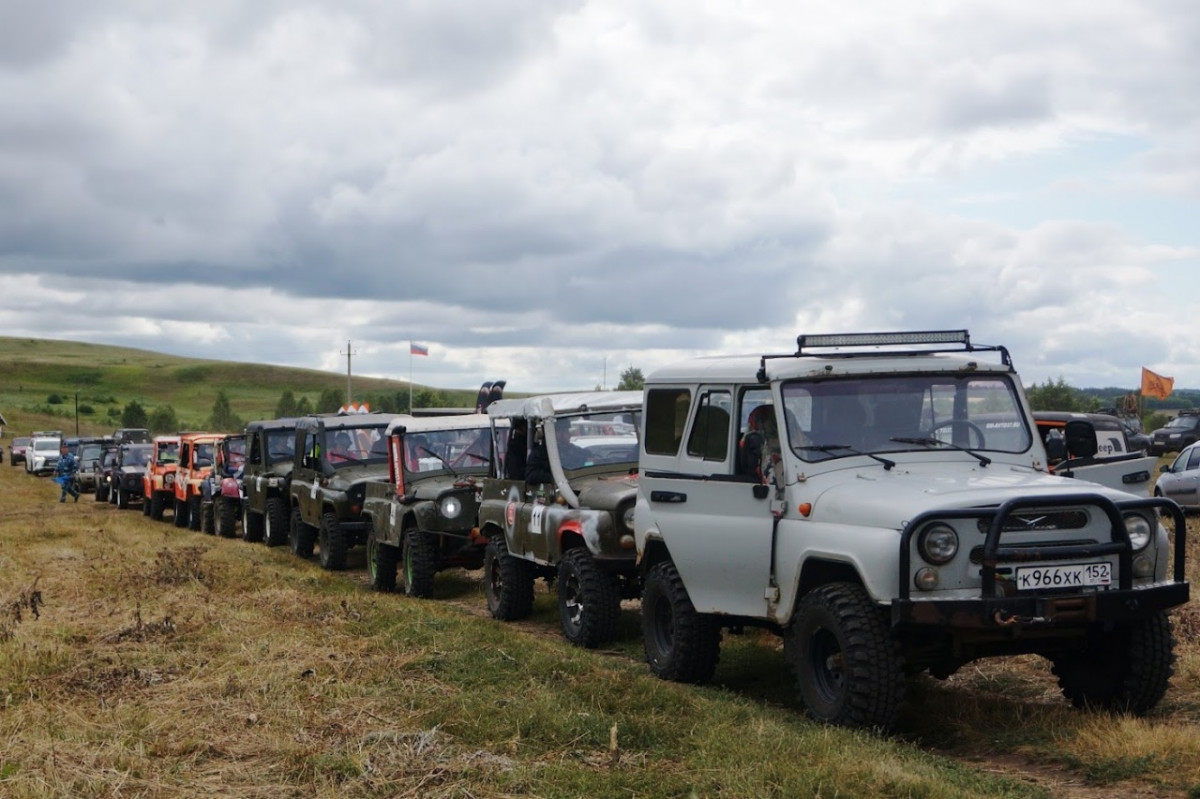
[[410, 354]]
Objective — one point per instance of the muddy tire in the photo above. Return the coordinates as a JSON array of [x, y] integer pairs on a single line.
[[208, 518], [382, 561], [146, 507], [122, 498], [226, 512], [301, 537], [101, 491], [848, 669], [332, 543], [252, 526], [419, 557], [589, 600], [276, 522], [507, 582], [1126, 671], [193, 513], [681, 644]]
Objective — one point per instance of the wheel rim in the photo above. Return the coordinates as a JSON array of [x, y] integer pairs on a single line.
[[573, 600], [495, 582], [372, 552], [827, 662]]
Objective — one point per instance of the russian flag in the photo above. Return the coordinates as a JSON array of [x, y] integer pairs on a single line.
[[417, 349]]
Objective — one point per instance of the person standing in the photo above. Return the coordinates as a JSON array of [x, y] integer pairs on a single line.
[[64, 474]]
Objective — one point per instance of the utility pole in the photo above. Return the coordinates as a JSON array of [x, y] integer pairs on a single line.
[[348, 353]]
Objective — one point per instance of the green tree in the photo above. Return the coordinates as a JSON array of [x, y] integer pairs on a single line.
[[134, 415], [303, 407], [287, 404], [632, 380], [223, 418], [162, 420], [329, 401], [1058, 396]]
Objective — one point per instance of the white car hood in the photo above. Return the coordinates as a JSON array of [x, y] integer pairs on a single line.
[[874, 497]]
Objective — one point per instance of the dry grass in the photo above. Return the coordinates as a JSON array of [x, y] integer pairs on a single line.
[[141, 660]]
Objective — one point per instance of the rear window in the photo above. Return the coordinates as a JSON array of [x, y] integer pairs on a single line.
[[666, 416]]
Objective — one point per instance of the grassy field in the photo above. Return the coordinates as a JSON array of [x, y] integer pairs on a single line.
[[140, 660], [31, 370]]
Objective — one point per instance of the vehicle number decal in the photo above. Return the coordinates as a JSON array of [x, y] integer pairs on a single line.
[[535, 518], [1076, 575], [313, 494]]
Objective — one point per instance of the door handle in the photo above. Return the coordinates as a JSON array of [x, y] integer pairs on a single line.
[[673, 497]]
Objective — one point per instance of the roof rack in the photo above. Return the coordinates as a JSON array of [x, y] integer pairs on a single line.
[[916, 342]]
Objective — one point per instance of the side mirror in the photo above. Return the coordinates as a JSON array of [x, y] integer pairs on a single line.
[[760, 491], [1081, 439]]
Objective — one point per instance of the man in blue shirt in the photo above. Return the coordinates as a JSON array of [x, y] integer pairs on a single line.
[[64, 474]]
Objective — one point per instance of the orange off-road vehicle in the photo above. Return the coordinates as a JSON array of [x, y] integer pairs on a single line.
[[196, 453], [160, 476]]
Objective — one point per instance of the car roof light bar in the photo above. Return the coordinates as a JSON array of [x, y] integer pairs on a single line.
[[920, 342]]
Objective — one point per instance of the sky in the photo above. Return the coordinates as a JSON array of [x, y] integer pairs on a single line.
[[551, 192]]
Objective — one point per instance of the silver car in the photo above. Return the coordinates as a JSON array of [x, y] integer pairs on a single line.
[[1181, 480]]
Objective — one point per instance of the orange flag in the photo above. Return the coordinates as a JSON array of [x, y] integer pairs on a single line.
[[1154, 385]]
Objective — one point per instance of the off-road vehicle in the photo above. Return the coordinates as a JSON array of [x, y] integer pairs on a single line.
[[197, 451], [129, 475], [560, 506], [221, 492], [1180, 432], [103, 472], [159, 487], [425, 516], [1093, 447], [270, 453], [88, 456], [335, 458], [882, 502]]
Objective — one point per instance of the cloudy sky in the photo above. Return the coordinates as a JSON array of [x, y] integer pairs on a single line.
[[550, 192]]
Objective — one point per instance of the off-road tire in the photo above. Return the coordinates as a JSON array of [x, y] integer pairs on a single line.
[[226, 512], [332, 543], [193, 513], [382, 561], [849, 671], [112, 494], [507, 582], [181, 513], [418, 555], [252, 526], [276, 522], [101, 492], [301, 537], [208, 518], [681, 644], [146, 507], [589, 600], [1126, 671], [122, 498]]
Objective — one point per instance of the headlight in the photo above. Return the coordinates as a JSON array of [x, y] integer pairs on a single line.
[[1139, 529], [938, 543], [625, 518], [451, 507]]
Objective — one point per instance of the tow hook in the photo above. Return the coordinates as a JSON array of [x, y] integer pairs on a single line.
[[1011, 621]]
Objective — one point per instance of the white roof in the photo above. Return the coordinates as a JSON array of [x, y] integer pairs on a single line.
[[744, 368], [564, 404], [426, 424]]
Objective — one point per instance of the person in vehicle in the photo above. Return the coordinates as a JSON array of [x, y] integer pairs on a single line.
[[760, 453], [571, 456], [341, 449]]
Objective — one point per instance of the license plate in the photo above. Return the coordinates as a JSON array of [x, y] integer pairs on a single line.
[[1074, 575]]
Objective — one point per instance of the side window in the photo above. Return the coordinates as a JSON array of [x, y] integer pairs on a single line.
[[1194, 459], [709, 438], [666, 414], [256, 455]]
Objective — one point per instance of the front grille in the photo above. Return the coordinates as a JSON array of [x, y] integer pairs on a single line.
[[976, 554], [1033, 520]]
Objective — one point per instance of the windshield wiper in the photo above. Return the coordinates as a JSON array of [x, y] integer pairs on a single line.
[[887, 464], [934, 442], [428, 451]]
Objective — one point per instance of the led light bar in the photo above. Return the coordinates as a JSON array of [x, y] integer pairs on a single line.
[[884, 339]]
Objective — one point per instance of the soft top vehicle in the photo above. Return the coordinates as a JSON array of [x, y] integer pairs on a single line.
[[335, 457], [425, 516], [559, 506], [882, 502], [1093, 447], [270, 452], [197, 452]]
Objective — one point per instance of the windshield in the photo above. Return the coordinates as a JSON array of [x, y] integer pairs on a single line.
[[597, 438], [460, 450], [167, 453], [135, 455], [1185, 422], [839, 418], [47, 445], [90, 452], [354, 445]]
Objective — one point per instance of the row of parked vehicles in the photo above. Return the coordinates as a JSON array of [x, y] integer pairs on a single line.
[[885, 503]]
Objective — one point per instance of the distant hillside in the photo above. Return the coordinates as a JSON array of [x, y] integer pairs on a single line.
[[40, 379]]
